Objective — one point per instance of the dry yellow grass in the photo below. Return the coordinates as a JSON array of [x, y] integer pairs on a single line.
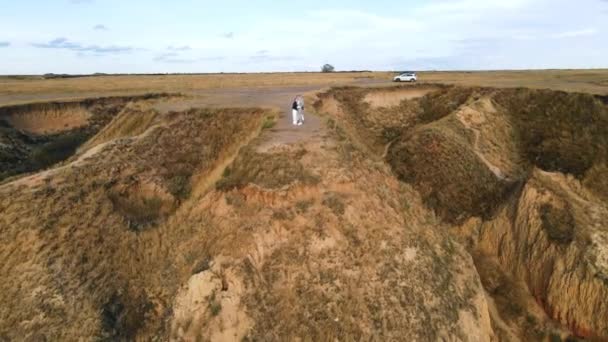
[[593, 81], [24, 90], [119, 228], [28, 89]]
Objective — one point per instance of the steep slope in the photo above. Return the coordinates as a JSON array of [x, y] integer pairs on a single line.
[[554, 238], [38, 135], [521, 175], [97, 248]]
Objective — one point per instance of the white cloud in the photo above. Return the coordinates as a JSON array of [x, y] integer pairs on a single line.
[[576, 33], [179, 48], [434, 34], [451, 7]]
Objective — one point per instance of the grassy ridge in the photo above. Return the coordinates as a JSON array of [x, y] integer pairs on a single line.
[[430, 148], [106, 244]]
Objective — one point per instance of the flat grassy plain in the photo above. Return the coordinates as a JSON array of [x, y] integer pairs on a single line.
[[594, 81], [15, 90], [19, 90]]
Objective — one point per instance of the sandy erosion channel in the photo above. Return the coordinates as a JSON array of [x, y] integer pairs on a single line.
[[523, 193]]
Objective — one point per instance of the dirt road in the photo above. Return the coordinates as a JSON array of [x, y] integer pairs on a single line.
[[284, 132]]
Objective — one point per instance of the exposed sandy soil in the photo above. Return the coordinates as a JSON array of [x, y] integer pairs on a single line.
[[45, 122]]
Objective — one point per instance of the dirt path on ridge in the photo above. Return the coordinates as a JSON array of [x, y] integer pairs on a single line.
[[283, 133]]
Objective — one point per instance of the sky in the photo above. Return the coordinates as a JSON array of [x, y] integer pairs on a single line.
[[161, 36]]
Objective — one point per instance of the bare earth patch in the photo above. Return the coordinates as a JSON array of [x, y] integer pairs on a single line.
[[50, 120]]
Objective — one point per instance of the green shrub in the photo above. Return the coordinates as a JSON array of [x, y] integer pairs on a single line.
[[57, 149], [560, 131], [139, 212], [302, 206], [202, 266], [269, 170], [555, 337], [179, 186], [214, 305], [283, 215], [269, 122], [558, 223], [327, 68], [335, 203]]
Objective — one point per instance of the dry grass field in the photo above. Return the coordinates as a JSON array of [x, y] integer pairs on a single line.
[[593, 81], [28, 89], [17, 90]]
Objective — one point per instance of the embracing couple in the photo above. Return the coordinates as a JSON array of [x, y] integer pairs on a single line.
[[297, 110]]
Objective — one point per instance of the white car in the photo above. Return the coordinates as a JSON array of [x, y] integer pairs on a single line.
[[406, 77]]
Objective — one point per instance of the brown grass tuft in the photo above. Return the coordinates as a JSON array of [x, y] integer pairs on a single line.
[[449, 175], [564, 132], [268, 170], [558, 223]]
